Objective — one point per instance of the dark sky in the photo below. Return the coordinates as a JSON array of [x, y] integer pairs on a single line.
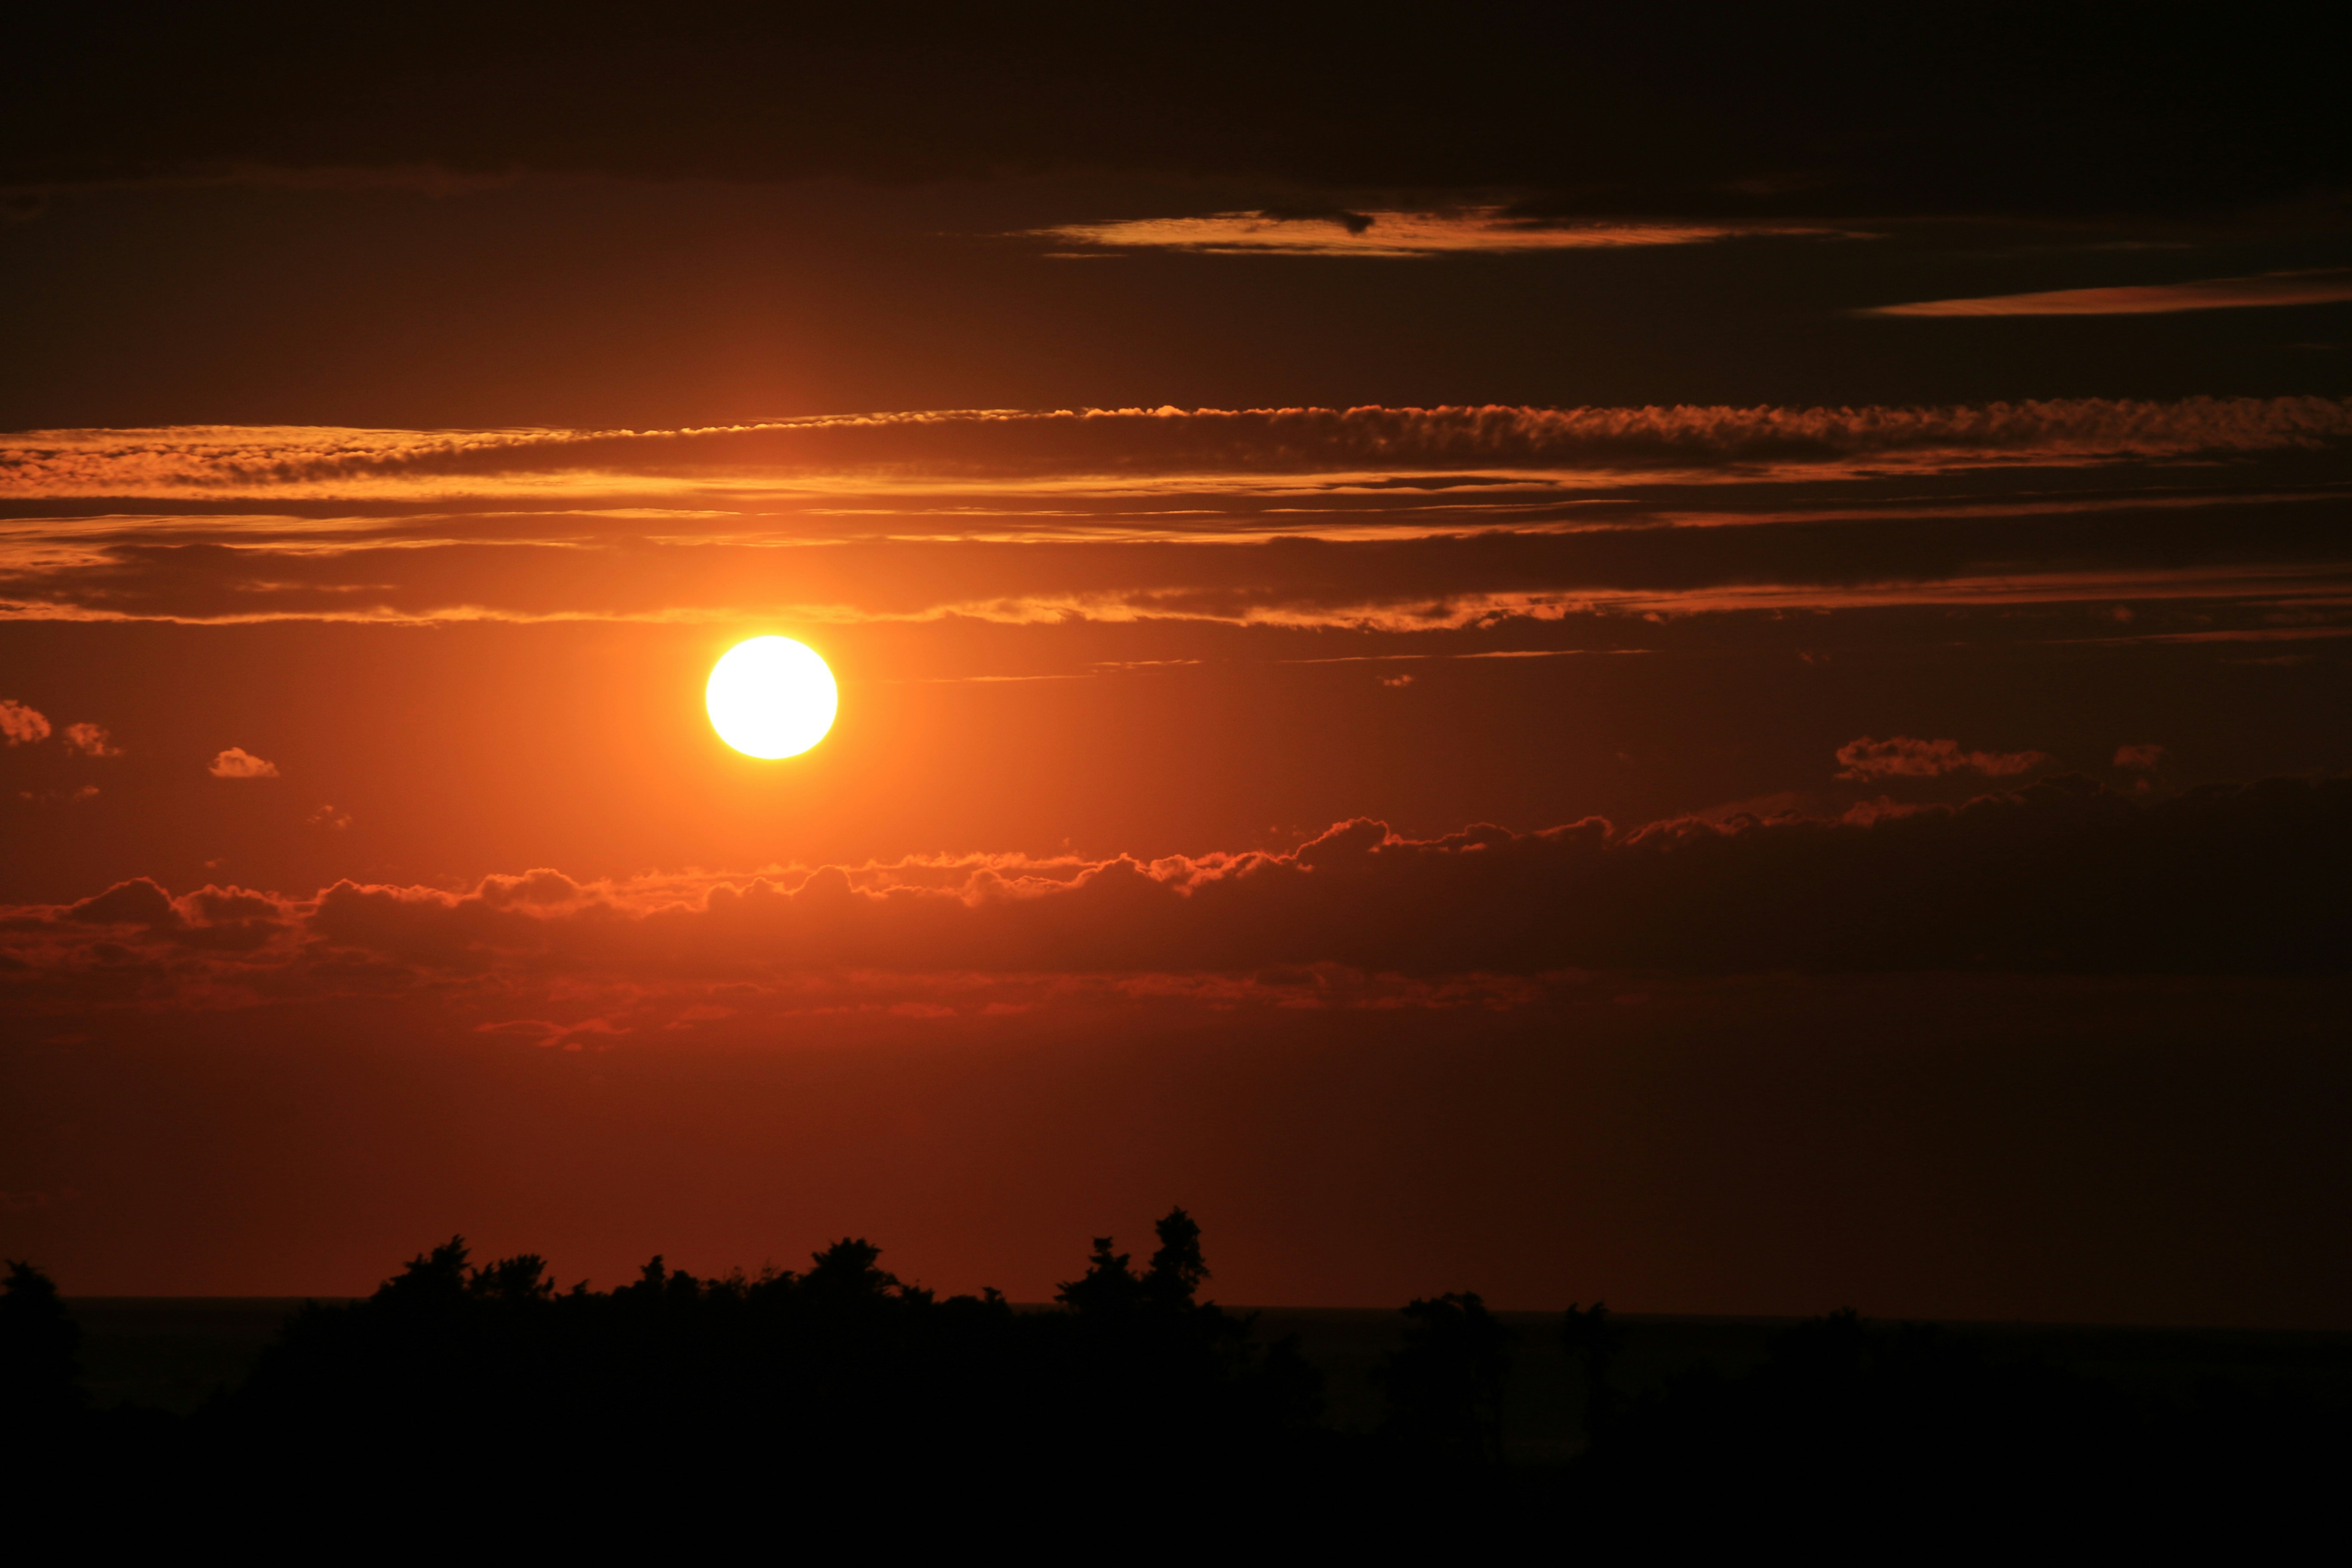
[[1689, 654]]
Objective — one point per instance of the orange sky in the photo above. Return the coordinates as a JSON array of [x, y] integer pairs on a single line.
[[1723, 694]]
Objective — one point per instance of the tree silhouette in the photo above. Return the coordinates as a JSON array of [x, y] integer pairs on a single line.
[[1177, 1269], [463, 1392], [1107, 1289], [1444, 1388], [40, 1366]]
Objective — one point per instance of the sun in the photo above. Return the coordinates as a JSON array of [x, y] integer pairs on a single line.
[[771, 697]]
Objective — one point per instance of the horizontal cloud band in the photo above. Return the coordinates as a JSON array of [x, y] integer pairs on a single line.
[[2061, 876], [966, 445]]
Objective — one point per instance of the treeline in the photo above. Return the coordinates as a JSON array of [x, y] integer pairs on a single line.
[[842, 1394]]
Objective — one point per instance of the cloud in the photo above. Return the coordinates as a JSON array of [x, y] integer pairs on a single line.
[[2061, 876], [2142, 759], [20, 725], [1395, 521], [906, 452], [2315, 288], [1900, 757], [139, 902], [1422, 567], [327, 816], [237, 763], [90, 740], [1393, 234]]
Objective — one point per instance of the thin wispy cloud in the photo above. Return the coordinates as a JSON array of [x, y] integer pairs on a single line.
[[1091, 451], [2315, 288], [1393, 234]]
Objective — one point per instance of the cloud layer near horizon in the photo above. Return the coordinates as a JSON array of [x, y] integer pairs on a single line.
[[2061, 876]]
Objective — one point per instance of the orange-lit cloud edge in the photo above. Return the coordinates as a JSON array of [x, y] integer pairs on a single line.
[[246, 524], [2062, 875]]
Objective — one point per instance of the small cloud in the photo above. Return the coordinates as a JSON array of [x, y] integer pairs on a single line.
[[2140, 758], [1901, 756], [91, 740], [327, 816], [20, 724], [1396, 681], [237, 763]]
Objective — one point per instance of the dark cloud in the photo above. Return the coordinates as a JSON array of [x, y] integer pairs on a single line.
[[1719, 107], [140, 902], [2061, 876]]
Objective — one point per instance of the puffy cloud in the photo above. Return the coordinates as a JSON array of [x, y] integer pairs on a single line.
[[140, 902], [2140, 758], [2061, 876], [237, 763], [2309, 287], [1900, 757], [91, 740], [20, 724]]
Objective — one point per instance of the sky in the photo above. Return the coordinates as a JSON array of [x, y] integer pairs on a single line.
[[1690, 658]]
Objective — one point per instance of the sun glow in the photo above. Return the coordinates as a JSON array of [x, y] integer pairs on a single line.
[[771, 698]]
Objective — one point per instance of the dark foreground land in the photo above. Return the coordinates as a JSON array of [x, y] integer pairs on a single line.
[[839, 1401], [174, 1354]]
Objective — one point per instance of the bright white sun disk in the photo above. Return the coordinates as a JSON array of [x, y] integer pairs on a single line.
[[771, 697]]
